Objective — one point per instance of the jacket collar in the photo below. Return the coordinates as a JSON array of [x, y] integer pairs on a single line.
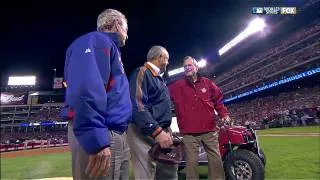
[[153, 71], [199, 79], [113, 36]]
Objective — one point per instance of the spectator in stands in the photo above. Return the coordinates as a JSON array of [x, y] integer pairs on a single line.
[[98, 100], [318, 112], [41, 143], [26, 144], [195, 100], [277, 107]]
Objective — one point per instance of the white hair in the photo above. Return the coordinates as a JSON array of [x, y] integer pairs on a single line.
[[156, 51], [194, 61], [108, 18]]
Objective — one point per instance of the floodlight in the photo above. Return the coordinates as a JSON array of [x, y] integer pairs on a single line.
[[22, 80]]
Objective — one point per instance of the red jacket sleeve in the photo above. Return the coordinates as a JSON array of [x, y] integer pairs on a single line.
[[217, 99], [171, 89]]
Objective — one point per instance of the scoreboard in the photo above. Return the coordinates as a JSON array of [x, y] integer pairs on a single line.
[[274, 10]]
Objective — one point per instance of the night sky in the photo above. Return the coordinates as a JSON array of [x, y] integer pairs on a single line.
[[36, 34]]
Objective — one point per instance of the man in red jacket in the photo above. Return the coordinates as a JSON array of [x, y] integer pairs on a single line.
[[195, 100]]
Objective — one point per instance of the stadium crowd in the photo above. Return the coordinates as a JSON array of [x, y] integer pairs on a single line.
[[33, 127], [299, 107], [46, 113], [277, 77], [265, 69], [29, 140], [18, 137]]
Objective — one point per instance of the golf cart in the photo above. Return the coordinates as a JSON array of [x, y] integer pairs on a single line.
[[239, 148]]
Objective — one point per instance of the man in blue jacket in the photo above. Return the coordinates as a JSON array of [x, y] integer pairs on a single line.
[[151, 117], [98, 100]]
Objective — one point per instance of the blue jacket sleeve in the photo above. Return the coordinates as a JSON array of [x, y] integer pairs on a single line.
[[86, 74], [142, 116]]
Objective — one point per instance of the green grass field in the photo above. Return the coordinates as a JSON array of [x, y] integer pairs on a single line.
[[306, 129], [287, 158], [42, 166]]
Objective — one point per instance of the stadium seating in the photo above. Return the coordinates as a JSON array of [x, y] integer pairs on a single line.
[[277, 62], [285, 109], [291, 40], [14, 136]]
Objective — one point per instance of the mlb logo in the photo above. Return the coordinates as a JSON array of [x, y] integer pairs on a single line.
[[257, 10]]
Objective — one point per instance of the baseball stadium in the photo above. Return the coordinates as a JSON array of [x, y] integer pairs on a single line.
[[266, 65]]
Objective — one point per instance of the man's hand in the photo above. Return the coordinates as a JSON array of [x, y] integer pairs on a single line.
[[227, 120], [99, 163], [164, 139]]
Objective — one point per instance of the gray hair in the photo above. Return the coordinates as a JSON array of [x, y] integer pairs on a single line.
[[156, 51], [108, 18], [194, 61]]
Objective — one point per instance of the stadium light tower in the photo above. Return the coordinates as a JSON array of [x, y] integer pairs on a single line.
[[202, 63], [175, 71], [22, 80], [254, 26]]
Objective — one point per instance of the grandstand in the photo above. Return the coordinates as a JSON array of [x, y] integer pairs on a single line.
[[298, 107], [296, 103], [301, 49], [31, 126]]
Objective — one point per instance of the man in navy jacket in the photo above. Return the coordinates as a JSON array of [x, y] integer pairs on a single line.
[[151, 116], [98, 100]]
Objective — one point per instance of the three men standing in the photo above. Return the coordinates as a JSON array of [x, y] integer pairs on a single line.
[[100, 106]]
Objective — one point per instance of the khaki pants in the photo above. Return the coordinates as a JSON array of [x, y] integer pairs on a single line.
[[211, 146], [120, 155], [144, 167]]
